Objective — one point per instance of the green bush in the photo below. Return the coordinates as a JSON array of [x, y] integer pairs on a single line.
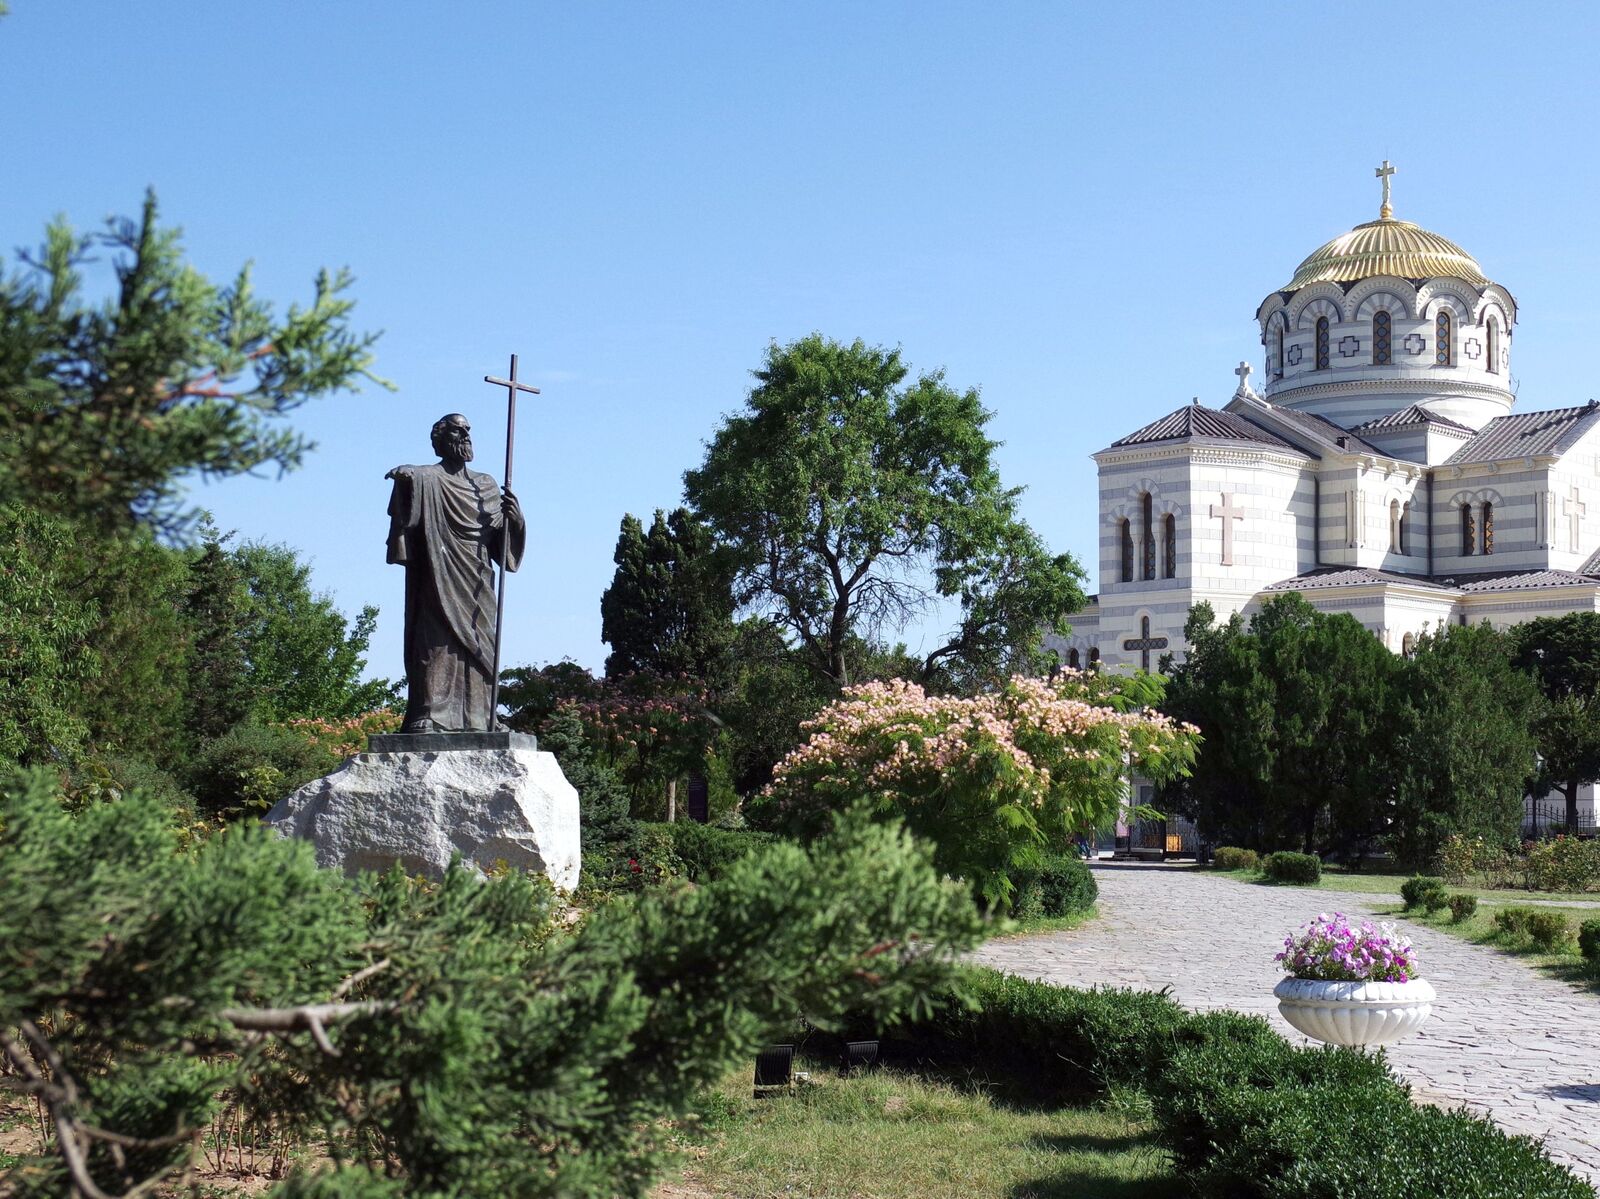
[[1061, 885], [1512, 921], [252, 766], [1435, 901], [1563, 864], [1589, 941], [1548, 930], [1286, 867], [706, 852], [1231, 857], [1416, 889], [1463, 907]]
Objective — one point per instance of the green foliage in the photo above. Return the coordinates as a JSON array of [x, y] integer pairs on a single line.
[[1461, 858], [1463, 750], [1057, 885], [1416, 889], [603, 801], [303, 658], [252, 766], [1435, 901], [1562, 864], [1512, 921], [1463, 907], [840, 487], [707, 853], [1231, 857], [1294, 715], [45, 661], [669, 609], [109, 406], [1547, 930], [481, 1052], [1562, 654], [1589, 941], [532, 695], [218, 691], [1289, 867]]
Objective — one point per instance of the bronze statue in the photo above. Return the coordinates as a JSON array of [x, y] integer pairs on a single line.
[[449, 526]]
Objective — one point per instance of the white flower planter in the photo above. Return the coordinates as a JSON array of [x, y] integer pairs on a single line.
[[1344, 1013]]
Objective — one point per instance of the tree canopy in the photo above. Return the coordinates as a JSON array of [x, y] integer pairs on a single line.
[[853, 500], [109, 404], [1563, 655]]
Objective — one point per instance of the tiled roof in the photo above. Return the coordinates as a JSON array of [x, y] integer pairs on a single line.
[[1592, 566], [1407, 417], [1528, 433], [1349, 576], [1330, 577], [1318, 431], [1192, 420], [1525, 580]]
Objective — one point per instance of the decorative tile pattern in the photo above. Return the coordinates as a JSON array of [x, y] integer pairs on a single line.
[[1348, 346], [1415, 343]]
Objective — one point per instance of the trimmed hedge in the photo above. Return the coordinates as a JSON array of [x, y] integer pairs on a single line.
[[1463, 907], [1231, 857], [1548, 930], [1245, 1114], [1589, 941], [1416, 889], [1286, 867], [1061, 885]]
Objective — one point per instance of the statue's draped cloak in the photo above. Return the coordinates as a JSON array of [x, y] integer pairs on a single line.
[[448, 530]]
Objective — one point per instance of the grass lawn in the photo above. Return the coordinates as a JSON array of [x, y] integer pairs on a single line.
[[1034, 925], [1566, 964], [891, 1134], [1370, 883]]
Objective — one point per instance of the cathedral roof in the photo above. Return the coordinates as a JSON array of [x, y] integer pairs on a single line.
[[1192, 420], [1406, 417], [1320, 432], [1528, 434], [1525, 580], [1329, 577], [1387, 247]]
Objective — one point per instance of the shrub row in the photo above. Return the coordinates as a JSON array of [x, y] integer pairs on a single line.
[[1231, 857], [1060, 885], [1244, 1113], [1286, 867]]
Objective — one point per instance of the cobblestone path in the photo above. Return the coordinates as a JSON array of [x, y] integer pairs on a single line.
[[1504, 1039]]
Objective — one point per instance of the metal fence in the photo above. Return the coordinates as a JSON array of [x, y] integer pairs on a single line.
[[1548, 818]]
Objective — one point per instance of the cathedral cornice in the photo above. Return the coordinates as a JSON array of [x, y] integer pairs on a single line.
[[1210, 454], [1436, 387]]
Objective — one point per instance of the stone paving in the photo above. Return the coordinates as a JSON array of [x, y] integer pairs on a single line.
[[1503, 1039]]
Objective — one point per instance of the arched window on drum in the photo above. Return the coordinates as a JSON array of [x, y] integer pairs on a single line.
[[1444, 337], [1382, 339]]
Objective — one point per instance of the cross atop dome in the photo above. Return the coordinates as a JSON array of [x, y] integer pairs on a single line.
[[1386, 210]]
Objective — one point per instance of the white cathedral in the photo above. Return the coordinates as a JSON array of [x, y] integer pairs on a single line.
[[1379, 471]]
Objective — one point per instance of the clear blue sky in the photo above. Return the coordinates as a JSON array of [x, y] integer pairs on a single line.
[[1075, 207]]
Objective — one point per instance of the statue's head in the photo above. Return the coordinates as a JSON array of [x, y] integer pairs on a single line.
[[452, 438]]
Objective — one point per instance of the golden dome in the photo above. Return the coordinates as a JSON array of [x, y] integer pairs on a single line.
[[1387, 247]]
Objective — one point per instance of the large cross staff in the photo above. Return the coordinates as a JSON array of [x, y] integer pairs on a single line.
[[512, 386]]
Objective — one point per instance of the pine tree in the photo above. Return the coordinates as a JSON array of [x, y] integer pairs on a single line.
[[218, 692]]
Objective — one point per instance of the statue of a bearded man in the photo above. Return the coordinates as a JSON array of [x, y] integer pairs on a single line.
[[448, 526]]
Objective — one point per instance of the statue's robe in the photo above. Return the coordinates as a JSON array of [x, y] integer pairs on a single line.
[[448, 530]]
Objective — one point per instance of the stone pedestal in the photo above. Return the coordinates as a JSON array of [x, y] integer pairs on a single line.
[[416, 800]]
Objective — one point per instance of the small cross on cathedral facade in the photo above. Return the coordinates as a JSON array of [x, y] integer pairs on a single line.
[[1144, 643]]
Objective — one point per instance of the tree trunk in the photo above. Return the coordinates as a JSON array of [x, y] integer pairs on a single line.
[[1572, 807], [672, 801]]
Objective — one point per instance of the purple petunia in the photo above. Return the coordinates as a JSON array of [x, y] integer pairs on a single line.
[[1331, 949]]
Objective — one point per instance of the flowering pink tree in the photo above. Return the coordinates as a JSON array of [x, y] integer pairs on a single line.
[[992, 780]]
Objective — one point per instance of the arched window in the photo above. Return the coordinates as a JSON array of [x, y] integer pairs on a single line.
[[1443, 339], [1488, 527], [1492, 344], [1279, 365], [1382, 341], [1322, 343], [1147, 531], [1094, 657], [1408, 644], [1394, 527], [1405, 519], [1072, 658], [1127, 550], [1469, 530], [1170, 549]]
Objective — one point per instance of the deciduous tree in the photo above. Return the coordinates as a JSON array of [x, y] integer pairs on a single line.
[[1562, 653], [854, 500]]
